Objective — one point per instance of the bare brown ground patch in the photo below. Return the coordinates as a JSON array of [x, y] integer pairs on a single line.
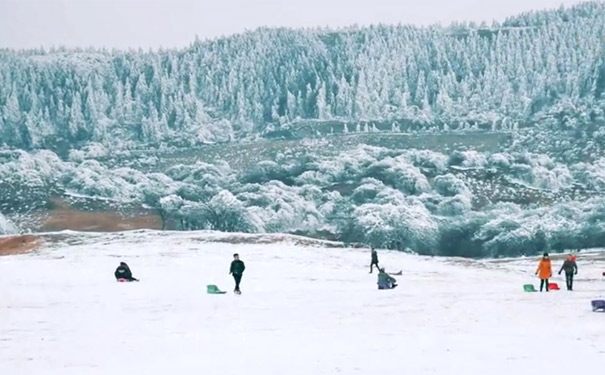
[[71, 219], [14, 245]]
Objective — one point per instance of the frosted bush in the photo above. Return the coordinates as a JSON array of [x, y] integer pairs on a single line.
[[367, 191], [89, 151], [500, 160], [266, 171], [455, 206], [284, 209], [430, 162], [449, 185], [93, 179], [6, 227], [591, 175], [399, 173], [398, 226], [312, 178], [390, 195], [468, 159], [212, 177], [554, 179], [350, 165]]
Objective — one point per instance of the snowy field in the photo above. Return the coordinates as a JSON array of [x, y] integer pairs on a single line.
[[303, 310]]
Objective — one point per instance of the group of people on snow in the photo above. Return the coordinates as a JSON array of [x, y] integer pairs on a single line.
[[123, 272], [385, 280], [544, 271]]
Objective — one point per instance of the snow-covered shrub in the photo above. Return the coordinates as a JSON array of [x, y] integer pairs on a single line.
[[539, 171], [398, 226], [90, 151], [28, 180], [455, 206], [6, 227], [468, 159], [458, 236], [312, 178], [430, 162], [516, 242], [216, 174], [399, 173], [555, 179], [224, 212], [591, 175], [350, 165], [449, 185], [283, 208], [156, 186], [501, 161], [266, 171], [35, 169], [367, 191], [93, 179]]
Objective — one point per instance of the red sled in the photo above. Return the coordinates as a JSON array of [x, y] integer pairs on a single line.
[[553, 286], [123, 280]]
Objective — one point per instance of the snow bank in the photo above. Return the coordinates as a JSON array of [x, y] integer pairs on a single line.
[[304, 310]]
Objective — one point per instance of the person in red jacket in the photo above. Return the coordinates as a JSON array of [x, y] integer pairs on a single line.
[[544, 271]]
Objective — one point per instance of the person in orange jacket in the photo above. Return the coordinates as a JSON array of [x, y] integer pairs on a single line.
[[544, 271]]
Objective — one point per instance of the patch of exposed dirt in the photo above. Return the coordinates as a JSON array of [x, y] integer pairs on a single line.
[[14, 245], [68, 218]]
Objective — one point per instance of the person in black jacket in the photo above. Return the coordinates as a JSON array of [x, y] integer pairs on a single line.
[[123, 272], [237, 270], [374, 260], [571, 268]]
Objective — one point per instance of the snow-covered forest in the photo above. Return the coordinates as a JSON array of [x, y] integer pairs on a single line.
[[466, 203], [539, 65], [98, 124]]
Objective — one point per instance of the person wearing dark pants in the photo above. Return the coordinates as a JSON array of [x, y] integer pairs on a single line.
[[237, 270], [571, 268], [374, 260], [544, 271]]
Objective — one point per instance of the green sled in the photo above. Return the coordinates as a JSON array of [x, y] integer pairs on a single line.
[[529, 288], [213, 289]]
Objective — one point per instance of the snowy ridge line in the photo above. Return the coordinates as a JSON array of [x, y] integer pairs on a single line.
[[584, 254], [198, 236]]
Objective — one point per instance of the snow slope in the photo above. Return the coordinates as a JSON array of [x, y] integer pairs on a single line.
[[303, 310]]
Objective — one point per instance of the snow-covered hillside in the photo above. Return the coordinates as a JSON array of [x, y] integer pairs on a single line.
[[545, 66], [304, 310]]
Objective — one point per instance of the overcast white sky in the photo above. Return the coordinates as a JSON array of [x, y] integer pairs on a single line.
[[174, 23]]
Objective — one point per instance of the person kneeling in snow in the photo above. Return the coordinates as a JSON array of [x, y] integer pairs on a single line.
[[385, 281], [123, 272]]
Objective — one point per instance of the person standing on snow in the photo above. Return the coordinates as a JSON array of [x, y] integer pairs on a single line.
[[385, 281], [374, 260], [123, 272], [571, 268], [544, 271], [237, 270]]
